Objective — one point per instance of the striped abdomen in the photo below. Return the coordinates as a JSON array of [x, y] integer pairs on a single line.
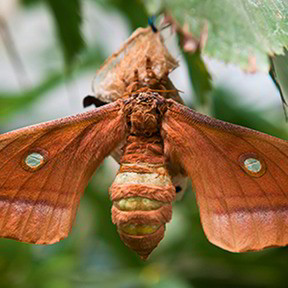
[[142, 195]]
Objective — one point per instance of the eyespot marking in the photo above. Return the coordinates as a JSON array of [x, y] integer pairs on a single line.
[[34, 160], [253, 164]]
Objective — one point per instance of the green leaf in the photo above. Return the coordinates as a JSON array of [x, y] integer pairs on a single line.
[[135, 12], [29, 2], [239, 31], [200, 77], [67, 17], [279, 73]]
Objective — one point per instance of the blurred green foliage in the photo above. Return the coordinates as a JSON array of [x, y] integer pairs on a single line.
[[93, 255], [279, 73], [67, 17], [200, 78]]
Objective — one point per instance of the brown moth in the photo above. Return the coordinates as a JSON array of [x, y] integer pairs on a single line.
[[145, 54], [240, 176]]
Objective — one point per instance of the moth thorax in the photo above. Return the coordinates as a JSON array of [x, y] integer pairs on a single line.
[[142, 196], [144, 123], [145, 114]]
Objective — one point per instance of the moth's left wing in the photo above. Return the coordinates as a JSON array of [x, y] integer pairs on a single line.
[[45, 168], [240, 177]]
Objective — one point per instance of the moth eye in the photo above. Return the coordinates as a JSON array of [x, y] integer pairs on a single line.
[[252, 164], [34, 160]]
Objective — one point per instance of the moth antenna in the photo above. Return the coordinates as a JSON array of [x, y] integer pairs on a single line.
[[165, 26], [130, 93], [164, 90], [162, 26]]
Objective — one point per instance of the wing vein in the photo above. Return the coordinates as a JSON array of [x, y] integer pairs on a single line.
[[235, 162], [74, 140], [78, 182], [69, 143], [237, 181], [23, 184], [272, 162]]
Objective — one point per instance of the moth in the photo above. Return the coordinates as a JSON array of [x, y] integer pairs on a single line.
[[240, 176], [145, 53]]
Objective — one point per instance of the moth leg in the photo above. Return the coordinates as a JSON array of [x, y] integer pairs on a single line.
[[126, 84], [163, 83], [153, 82], [135, 85], [149, 70], [163, 79], [151, 78]]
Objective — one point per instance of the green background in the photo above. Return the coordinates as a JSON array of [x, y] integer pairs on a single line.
[[93, 255]]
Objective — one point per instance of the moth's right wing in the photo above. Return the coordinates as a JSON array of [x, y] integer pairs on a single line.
[[240, 177], [45, 168]]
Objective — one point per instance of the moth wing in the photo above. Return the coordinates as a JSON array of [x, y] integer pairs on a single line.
[[38, 205], [240, 210]]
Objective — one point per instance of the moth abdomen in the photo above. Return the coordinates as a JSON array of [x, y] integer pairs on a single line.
[[142, 196], [143, 192]]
